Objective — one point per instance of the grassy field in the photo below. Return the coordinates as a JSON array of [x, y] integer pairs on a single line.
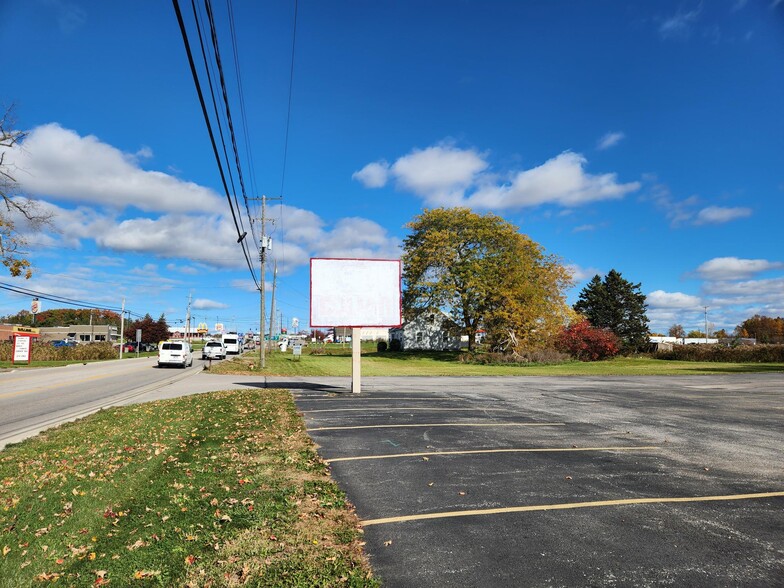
[[447, 364], [221, 489]]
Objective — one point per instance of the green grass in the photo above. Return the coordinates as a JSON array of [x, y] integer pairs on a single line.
[[215, 489], [447, 364]]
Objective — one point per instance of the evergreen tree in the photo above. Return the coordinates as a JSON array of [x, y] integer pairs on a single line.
[[616, 304]]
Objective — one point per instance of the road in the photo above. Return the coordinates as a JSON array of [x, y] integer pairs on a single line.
[[36, 399]]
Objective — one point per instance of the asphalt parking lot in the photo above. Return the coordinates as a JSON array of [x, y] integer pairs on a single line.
[[561, 481]]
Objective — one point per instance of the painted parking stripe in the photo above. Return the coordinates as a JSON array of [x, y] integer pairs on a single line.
[[398, 408], [483, 451], [566, 506], [439, 425], [337, 397]]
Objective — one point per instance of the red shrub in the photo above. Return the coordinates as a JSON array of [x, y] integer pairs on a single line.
[[587, 343]]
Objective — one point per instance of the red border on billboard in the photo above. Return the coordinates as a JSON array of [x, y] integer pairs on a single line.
[[399, 290]]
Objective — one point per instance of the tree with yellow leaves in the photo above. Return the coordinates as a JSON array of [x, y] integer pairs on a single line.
[[486, 275]]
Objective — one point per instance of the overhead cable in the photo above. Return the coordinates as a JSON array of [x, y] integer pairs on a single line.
[[195, 75]]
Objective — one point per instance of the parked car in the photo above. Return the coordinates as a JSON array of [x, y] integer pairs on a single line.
[[63, 343], [213, 350], [177, 353]]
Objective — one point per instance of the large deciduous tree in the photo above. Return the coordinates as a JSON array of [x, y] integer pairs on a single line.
[[152, 331], [16, 209], [616, 304], [485, 274], [763, 328], [677, 331]]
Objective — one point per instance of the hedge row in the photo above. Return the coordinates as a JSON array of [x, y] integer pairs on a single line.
[[47, 352], [740, 354]]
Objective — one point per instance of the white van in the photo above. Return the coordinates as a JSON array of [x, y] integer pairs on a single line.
[[176, 353], [231, 342]]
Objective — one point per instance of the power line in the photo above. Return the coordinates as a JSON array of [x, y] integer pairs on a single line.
[[61, 299], [194, 73]]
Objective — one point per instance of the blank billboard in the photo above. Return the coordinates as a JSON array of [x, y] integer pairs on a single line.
[[355, 292]]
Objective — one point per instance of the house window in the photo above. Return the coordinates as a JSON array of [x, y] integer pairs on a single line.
[[100, 337], [84, 337], [431, 318], [419, 337]]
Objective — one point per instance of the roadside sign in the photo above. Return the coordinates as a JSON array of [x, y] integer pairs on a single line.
[[35, 306], [21, 349], [138, 335]]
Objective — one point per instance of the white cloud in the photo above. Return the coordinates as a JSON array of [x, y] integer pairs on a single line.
[[733, 268], [177, 236], [444, 175], [373, 175], [358, 238], [610, 140], [679, 25], [207, 304], [660, 299], [440, 174], [561, 180], [580, 274], [247, 285], [717, 215], [105, 261], [59, 164]]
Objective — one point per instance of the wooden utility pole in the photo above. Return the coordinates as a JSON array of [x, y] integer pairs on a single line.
[[272, 306], [265, 244]]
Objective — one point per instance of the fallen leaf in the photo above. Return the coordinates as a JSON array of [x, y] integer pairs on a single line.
[[145, 574], [388, 543]]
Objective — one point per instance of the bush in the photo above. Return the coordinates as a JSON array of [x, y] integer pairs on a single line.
[[381, 346], [47, 352], [395, 345], [529, 356], [740, 354], [587, 343]]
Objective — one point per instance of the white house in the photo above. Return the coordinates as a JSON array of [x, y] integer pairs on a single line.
[[431, 330]]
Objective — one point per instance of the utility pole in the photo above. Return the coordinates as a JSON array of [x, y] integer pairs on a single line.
[[264, 245], [188, 319], [122, 327], [272, 307], [706, 324], [92, 330]]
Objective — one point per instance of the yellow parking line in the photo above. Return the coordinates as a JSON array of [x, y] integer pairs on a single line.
[[565, 506], [439, 425], [481, 451]]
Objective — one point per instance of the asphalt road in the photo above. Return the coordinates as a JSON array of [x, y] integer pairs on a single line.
[[32, 400], [562, 481]]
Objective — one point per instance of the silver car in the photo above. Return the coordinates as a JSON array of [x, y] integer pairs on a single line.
[[213, 350]]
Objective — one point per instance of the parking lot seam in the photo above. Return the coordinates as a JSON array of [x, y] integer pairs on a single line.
[[481, 451], [438, 425], [566, 506]]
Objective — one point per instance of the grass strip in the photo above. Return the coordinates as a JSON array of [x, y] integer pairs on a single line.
[[219, 489], [446, 363]]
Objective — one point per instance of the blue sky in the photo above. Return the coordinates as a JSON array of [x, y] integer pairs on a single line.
[[647, 137]]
